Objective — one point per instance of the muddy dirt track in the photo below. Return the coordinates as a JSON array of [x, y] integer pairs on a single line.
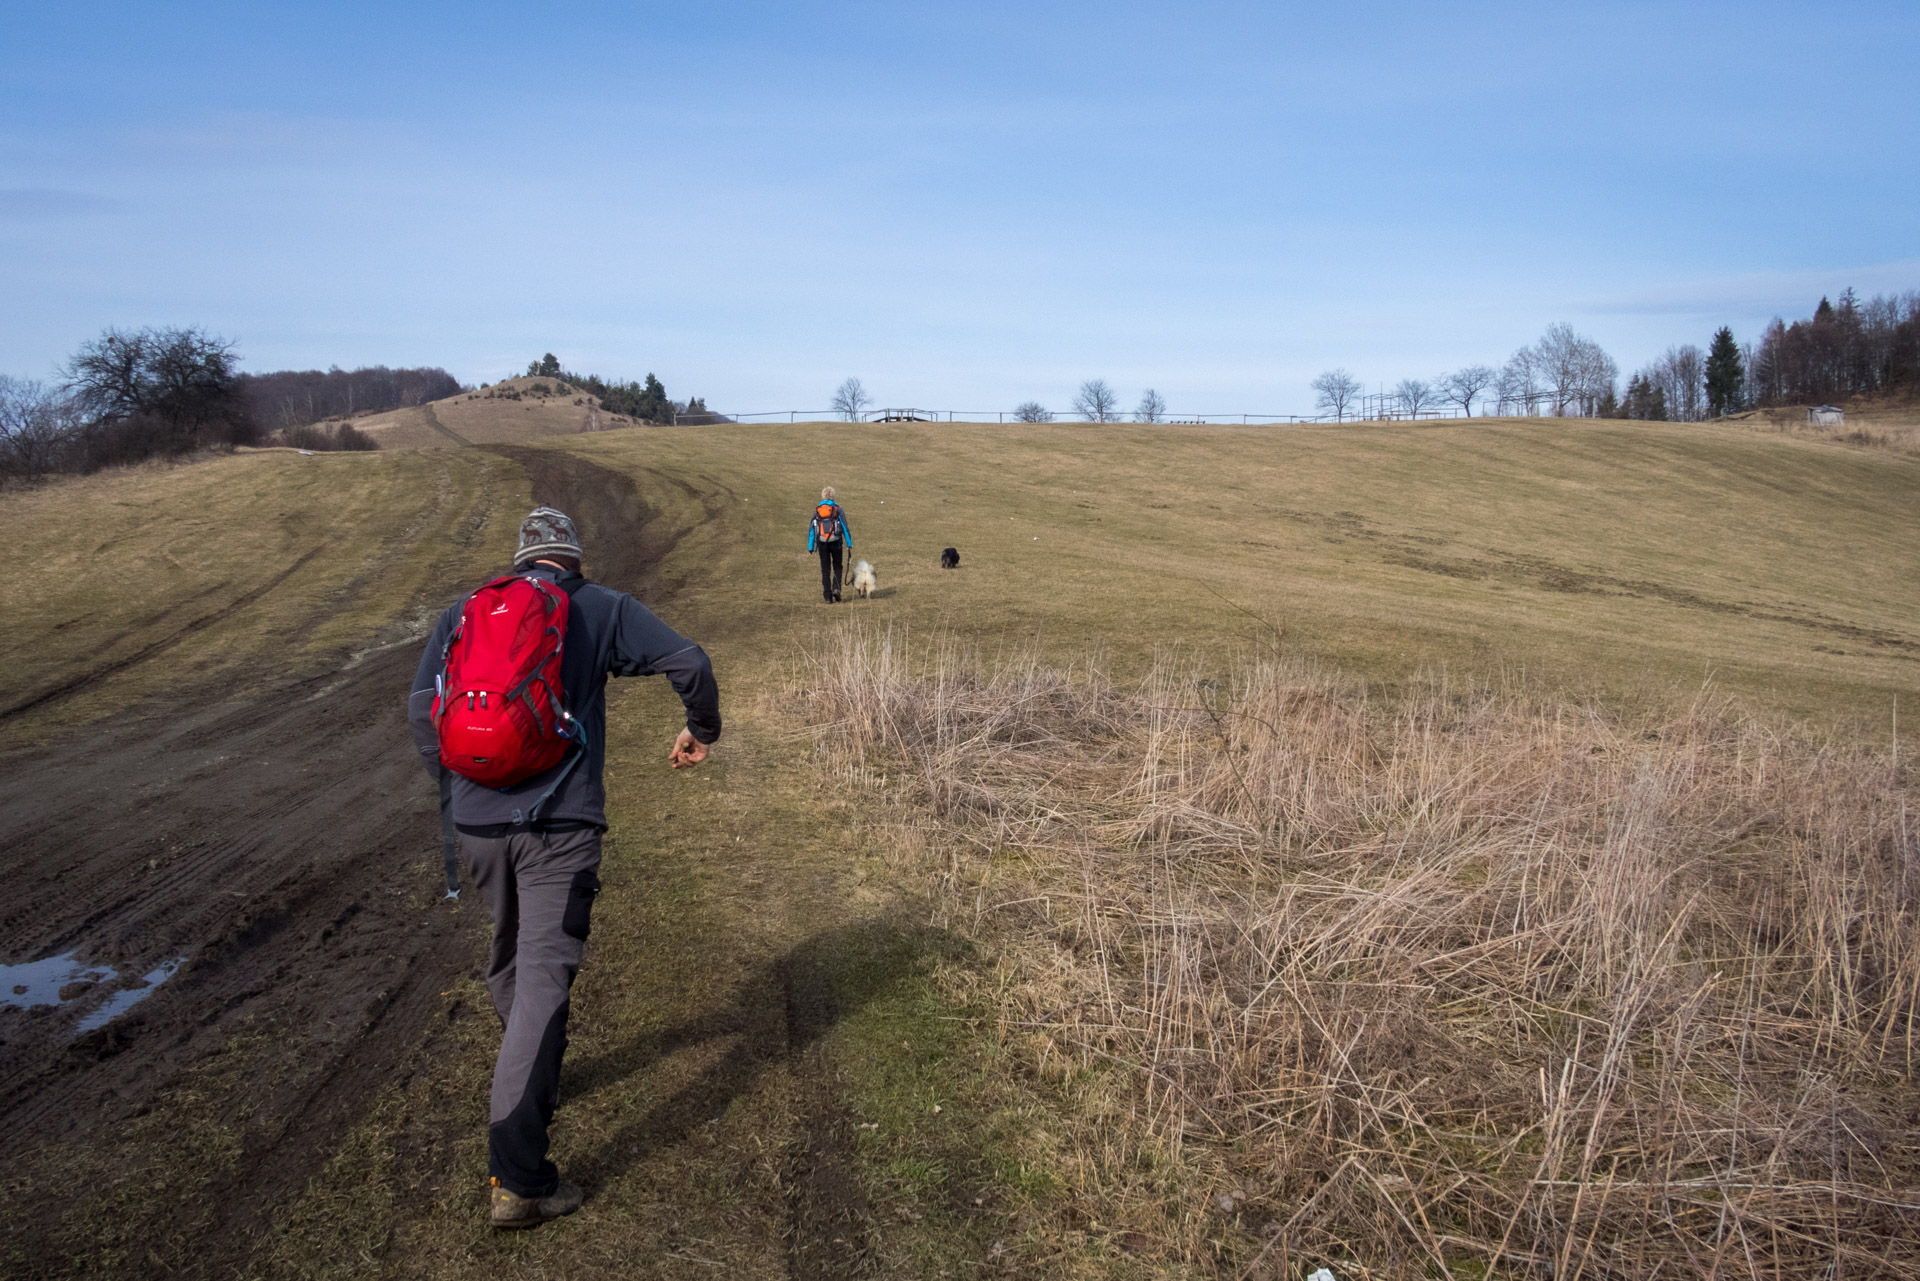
[[284, 847]]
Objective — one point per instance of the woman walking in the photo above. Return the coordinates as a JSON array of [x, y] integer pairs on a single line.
[[827, 533]]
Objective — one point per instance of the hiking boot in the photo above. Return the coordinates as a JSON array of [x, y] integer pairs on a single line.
[[510, 1211]]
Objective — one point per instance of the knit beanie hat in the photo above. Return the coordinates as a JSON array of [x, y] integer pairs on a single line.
[[546, 532]]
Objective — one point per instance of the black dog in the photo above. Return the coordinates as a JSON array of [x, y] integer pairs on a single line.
[[950, 558]]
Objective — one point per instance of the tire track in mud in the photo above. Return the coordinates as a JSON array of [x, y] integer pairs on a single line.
[[287, 846], [626, 541], [433, 421], [280, 843], [343, 599], [160, 646], [394, 1018]]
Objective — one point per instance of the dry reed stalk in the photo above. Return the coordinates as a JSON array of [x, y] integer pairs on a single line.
[[1577, 994]]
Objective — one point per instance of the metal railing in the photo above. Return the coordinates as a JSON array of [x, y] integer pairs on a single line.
[[1362, 413]]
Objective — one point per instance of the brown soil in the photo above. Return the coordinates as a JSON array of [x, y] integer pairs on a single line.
[[278, 844], [287, 845]]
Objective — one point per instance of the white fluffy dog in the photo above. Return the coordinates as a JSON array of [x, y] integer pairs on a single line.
[[864, 583]]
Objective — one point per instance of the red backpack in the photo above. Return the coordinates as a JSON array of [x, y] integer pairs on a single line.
[[497, 708]]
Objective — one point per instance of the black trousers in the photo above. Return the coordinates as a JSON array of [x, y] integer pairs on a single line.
[[830, 561]]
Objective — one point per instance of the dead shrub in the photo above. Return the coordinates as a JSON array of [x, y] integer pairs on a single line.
[[324, 437], [1473, 976]]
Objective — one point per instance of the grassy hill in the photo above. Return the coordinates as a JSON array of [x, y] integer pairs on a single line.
[[798, 1043], [227, 572], [516, 409], [1616, 556], [1624, 558]]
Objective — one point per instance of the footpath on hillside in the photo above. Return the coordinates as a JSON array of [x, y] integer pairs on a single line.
[[309, 1088]]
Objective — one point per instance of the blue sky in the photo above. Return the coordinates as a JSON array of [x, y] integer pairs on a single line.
[[967, 206]]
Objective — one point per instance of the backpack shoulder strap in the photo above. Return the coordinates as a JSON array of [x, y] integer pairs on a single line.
[[573, 758]]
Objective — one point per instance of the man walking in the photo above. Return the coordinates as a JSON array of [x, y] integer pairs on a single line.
[[827, 533], [532, 849]]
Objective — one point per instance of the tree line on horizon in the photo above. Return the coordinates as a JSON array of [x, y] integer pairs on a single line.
[[1851, 349], [166, 392], [1842, 350], [292, 397], [127, 396], [1095, 402], [645, 402]]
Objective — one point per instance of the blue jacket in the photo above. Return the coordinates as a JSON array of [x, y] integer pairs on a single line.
[[840, 518]]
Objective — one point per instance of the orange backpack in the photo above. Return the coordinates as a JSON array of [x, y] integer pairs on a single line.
[[826, 519]]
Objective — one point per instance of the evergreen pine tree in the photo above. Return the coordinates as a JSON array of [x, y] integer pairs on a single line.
[[654, 406], [1636, 405], [1726, 378]]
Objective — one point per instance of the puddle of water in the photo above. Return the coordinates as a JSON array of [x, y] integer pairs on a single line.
[[39, 983], [126, 998]]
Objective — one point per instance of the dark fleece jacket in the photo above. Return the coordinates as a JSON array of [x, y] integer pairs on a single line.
[[609, 633]]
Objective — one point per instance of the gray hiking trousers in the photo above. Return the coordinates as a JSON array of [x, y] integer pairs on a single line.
[[539, 887]]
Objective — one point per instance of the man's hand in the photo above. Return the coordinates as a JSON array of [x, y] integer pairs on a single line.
[[687, 752]]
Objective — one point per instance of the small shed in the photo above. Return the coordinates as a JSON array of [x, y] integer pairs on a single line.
[[1826, 415]]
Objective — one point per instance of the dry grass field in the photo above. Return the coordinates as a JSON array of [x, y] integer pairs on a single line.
[[1474, 980], [1471, 847], [267, 561], [1874, 424], [1623, 559]]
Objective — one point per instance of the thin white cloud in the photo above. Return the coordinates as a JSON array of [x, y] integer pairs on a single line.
[[51, 204], [1786, 292]]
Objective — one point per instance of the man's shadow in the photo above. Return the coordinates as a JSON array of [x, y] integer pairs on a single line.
[[781, 1008]]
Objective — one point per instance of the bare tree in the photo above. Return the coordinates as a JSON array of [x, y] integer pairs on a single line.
[[1462, 385], [850, 399], [1558, 361], [36, 425], [1031, 411], [108, 376], [1335, 390], [1416, 395], [1519, 384], [1689, 393], [1096, 402], [1572, 369], [1681, 376], [285, 397], [1595, 387], [1151, 408], [160, 391], [1846, 348]]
